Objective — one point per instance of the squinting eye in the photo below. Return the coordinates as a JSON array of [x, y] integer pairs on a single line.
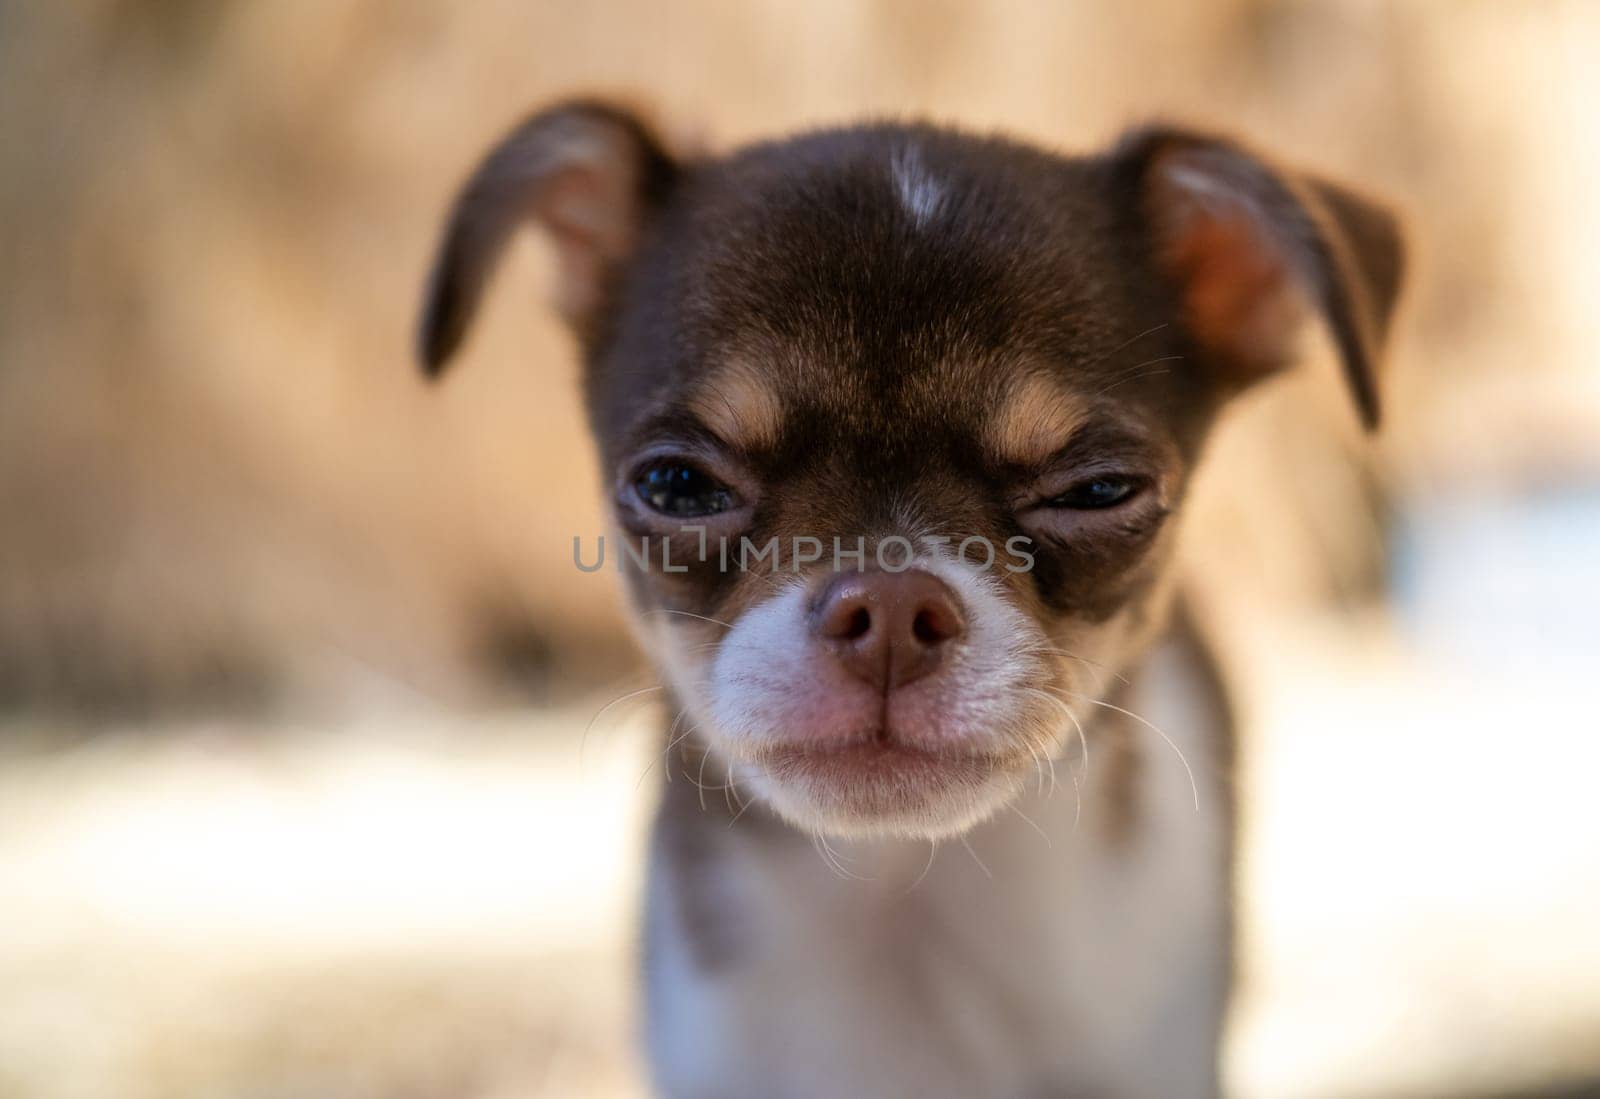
[[682, 491], [1101, 492]]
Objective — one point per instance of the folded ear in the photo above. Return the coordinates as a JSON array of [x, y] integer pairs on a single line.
[[1253, 251], [588, 174]]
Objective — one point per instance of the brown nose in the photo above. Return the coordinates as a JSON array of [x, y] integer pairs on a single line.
[[888, 628]]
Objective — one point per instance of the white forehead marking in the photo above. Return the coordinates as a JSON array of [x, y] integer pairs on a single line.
[[919, 192]]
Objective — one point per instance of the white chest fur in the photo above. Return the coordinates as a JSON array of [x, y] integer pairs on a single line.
[[1046, 955]]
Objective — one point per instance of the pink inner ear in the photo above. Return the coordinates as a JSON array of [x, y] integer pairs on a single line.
[[584, 214], [1240, 296]]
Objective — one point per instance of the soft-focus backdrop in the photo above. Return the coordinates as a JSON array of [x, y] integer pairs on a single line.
[[320, 766]]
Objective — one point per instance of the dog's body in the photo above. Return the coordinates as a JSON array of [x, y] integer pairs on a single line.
[[869, 876]]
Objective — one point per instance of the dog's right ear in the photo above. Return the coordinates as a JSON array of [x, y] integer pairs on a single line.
[[589, 174], [1253, 251]]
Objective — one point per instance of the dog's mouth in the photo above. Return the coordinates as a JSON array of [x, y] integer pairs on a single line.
[[879, 783], [875, 759]]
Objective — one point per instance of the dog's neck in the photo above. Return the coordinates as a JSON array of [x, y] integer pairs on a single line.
[[981, 942]]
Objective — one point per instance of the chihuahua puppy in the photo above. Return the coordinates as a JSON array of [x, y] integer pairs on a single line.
[[897, 423]]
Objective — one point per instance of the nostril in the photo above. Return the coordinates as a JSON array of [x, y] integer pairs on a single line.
[[845, 616], [932, 626], [856, 626]]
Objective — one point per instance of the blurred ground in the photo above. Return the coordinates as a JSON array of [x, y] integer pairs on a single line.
[[421, 908], [442, 906], [294, 668]]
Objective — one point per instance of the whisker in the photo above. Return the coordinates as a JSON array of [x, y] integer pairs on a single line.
[[689, 614], [1030, 823], [933, 849], [1077, 791], [838, 860], [1194, 787], [672, 742], [1132, 373], [1083, 738], [822, 853], [843, 859], [1038, 767], [700, 779], [976, 859], [1129, 342], [584, 739], [1030, 650], [748, 802]]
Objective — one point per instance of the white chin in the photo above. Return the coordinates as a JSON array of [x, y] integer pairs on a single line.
[[854, 807]]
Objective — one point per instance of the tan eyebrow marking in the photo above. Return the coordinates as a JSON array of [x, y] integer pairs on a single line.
[[1033, 419], [736, 404]]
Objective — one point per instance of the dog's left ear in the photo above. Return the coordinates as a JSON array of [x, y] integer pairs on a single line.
[[1252, 251], [589, 174]]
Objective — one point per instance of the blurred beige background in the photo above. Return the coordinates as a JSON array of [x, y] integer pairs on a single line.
[[294, 666]]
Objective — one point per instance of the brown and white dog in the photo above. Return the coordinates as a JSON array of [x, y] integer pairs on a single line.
[[897, 423]]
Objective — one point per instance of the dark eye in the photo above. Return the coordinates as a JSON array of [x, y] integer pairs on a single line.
[[1101, 492], [682, 491]]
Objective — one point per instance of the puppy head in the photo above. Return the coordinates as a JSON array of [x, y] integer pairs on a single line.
[[897, 420]]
